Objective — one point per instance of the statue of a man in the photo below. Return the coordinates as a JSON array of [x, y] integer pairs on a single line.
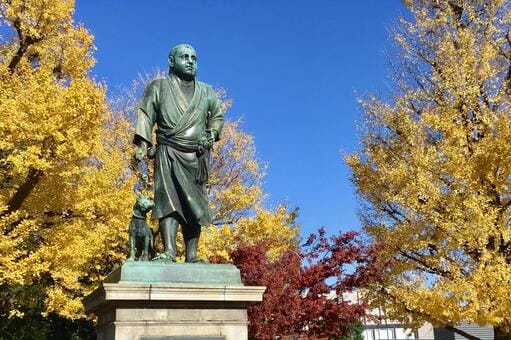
[[188, 121]]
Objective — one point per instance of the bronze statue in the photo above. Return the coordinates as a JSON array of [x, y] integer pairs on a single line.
[[140, 234], [188, 121]]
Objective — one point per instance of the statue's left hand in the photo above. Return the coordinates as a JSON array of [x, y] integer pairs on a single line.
[[206, 142], [140, 154], [141, 151], [211, 137]]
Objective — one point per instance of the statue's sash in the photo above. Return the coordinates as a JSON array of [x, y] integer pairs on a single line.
[[190, 114]]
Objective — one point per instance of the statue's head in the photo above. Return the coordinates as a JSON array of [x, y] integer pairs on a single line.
[[183, 61]]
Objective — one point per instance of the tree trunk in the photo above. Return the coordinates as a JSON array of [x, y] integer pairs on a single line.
[[33, 177], [500, 334]]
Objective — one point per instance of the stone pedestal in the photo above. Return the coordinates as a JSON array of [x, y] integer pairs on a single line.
[[155, 301]]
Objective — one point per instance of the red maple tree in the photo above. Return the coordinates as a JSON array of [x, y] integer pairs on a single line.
[[298, 302]]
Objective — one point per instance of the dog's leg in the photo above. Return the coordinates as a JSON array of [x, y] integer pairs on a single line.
[[145, 253]]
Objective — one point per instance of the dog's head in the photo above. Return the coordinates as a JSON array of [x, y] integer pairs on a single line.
[[144, 203]]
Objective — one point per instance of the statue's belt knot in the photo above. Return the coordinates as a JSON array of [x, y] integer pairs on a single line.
[[185, 145]]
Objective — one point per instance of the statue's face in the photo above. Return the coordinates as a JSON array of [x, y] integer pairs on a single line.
[[184, 63]]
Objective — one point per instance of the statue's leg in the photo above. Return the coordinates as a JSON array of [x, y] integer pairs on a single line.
[[191, 234], [151, 244], [168, 229]]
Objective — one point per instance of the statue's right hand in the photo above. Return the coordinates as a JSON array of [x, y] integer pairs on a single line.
[[140, 153]]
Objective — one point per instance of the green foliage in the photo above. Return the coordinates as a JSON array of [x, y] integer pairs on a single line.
[[31, 323], [355, 332]]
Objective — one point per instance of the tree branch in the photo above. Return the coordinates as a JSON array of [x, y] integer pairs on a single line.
[[24, 42], [33, 177], [426, 266]]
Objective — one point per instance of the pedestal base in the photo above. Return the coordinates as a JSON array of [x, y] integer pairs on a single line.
[[170, 310]]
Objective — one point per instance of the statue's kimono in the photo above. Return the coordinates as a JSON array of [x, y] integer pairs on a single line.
[[181, 166]]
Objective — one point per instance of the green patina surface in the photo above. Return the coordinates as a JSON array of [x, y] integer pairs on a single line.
[[189, 273], [189, 118]]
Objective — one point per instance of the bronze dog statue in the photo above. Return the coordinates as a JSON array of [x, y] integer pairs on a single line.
[[141, 237]]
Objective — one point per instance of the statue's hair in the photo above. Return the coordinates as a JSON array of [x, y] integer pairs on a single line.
[[174, 49]]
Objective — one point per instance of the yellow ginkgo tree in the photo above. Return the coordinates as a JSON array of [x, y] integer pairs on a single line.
[[63, 155], [434, 171]]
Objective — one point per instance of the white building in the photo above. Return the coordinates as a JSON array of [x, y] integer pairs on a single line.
[[381, 328]]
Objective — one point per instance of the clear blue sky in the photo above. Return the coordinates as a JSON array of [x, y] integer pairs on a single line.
[[293, 68]]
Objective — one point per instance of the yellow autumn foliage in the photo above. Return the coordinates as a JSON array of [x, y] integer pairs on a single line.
[[271, 227], [435, 167], [63, 156], [66, 188]]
